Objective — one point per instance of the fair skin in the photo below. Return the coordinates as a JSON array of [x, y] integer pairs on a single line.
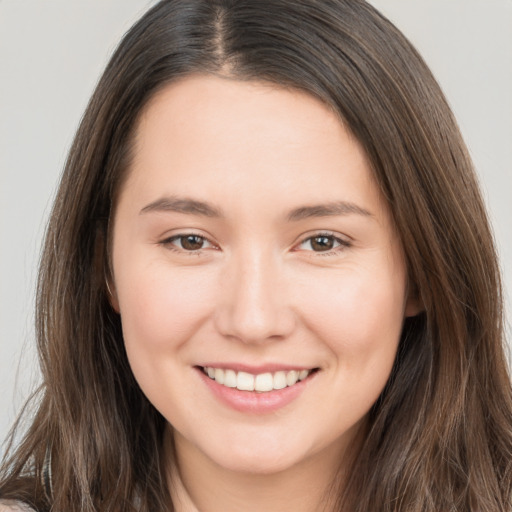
[[251, 239]]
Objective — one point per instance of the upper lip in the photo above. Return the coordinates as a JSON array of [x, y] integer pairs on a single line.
[[256, 369]]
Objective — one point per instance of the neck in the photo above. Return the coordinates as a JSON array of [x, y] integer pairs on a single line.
[[200, 485]]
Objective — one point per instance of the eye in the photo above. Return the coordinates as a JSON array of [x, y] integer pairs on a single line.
[[188, 242], [323, 242]]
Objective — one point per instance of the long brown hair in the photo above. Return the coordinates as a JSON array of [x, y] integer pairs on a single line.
[[440, 434]]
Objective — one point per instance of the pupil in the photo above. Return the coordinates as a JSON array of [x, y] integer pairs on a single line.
[[322, 243], [192, 242]]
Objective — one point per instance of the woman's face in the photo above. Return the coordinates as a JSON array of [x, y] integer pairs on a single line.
[[252, 248]]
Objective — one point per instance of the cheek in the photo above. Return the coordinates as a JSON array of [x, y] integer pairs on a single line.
[[160, 309], [358, 313], [359, 321]]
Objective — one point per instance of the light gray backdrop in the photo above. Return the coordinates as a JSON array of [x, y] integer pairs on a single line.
[[52, 53]]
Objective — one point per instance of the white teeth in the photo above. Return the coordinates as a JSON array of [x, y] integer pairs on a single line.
[[279, 380], [230, 379], [292, 377], [219, 375], [261, 383], [264, 382], [244, 381]]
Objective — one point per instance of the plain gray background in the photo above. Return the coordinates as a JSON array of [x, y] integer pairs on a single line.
[[52, 53]]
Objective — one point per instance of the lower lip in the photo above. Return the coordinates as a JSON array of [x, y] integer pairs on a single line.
[[253, 401]]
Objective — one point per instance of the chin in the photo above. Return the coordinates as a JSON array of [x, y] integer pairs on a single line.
[[257, 464], [258, 457]]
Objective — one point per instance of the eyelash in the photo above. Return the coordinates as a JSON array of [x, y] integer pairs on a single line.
[[168, 243], [342, 244]]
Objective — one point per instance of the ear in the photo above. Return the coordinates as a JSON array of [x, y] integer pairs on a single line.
[[102, 268], [413, 305], [112, 293]]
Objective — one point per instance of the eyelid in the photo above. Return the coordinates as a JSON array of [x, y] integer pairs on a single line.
[[343, 242], [168, 242]]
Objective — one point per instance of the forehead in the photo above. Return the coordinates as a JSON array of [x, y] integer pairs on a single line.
[[215, 136], [204, 106]]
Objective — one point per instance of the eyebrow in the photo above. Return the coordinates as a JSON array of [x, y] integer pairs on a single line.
[[192, 206], [327, 210], [182, 205]]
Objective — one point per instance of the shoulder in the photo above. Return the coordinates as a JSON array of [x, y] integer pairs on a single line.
[[14, 506]]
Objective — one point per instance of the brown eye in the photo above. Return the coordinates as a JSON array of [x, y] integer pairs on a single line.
[[325, 243], [322, 243], [191, 242], [187, 243]]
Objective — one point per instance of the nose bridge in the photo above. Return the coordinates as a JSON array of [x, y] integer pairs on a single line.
[[255, 307]]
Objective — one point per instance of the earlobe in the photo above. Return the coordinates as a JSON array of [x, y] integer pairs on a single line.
[[414, 305], [102, 268], [111, 294]]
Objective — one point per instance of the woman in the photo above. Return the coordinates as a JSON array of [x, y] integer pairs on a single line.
[[268, 282]]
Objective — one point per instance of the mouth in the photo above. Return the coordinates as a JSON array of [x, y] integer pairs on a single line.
[[261, 382]]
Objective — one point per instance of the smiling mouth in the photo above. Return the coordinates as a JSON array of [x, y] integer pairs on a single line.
[[261, 383]]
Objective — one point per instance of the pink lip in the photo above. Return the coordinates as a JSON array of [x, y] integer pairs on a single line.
[[252, 401], [255, 370]]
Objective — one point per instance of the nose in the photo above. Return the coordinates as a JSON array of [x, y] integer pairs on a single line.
[[255, 305]]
